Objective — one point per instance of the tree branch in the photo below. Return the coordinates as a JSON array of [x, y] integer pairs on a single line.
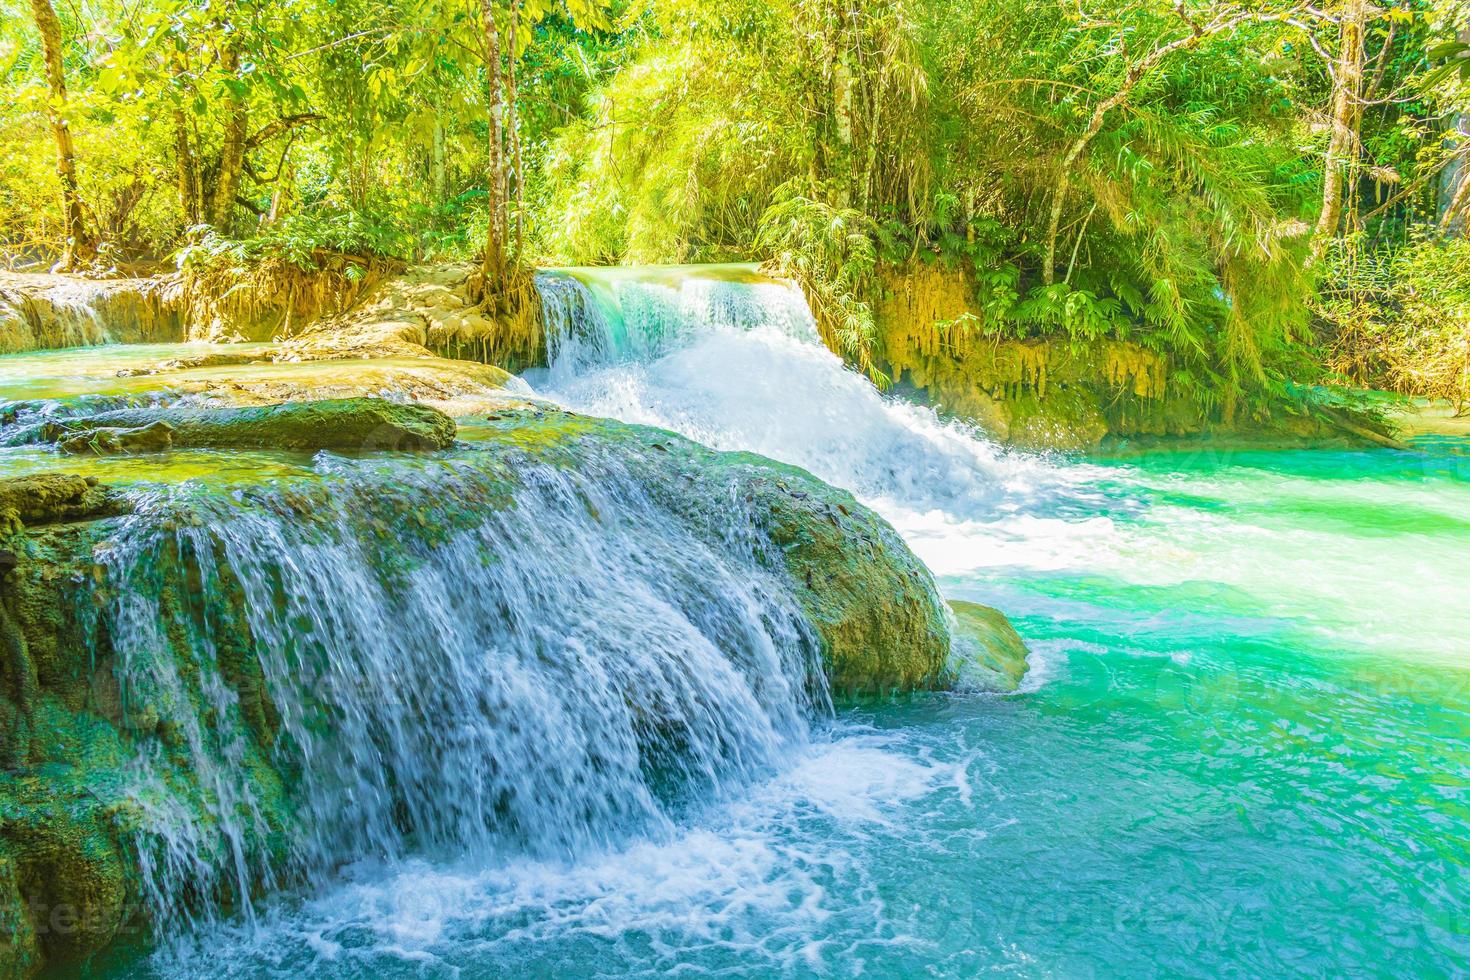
[[270, 131]]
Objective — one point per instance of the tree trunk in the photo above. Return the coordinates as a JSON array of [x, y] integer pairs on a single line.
[[281, 197], [188, 171], [843, 86], [494, 266], [232, 149], [1452, 221], [186, 162], [1347, 114], [513, 105], [78, 242], [1454, 183], [437, 171]]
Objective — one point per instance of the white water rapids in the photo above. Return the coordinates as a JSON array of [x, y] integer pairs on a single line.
[[734, 361]]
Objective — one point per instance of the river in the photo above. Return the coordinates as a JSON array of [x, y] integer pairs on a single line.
[[1242, 748]]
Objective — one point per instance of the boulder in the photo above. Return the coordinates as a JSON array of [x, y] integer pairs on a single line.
[[50, 497], [151, 438], [872, 602], [991, 654]]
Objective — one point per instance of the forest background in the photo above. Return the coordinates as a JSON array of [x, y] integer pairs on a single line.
[[1272, 195]]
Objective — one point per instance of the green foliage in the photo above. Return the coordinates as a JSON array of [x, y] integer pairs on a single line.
[[829, 252], [1398, 317], [301, 240], [1075, 313], [774, 132], [822, 139], [365, 121]]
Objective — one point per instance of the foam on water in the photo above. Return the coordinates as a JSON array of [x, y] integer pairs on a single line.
[[750, 880], [753, 375]]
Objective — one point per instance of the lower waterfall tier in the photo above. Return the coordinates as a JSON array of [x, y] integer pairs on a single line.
[[559, 633]]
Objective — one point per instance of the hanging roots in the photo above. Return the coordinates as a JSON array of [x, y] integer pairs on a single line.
[[930, 330], [272, 298], [505, 331]]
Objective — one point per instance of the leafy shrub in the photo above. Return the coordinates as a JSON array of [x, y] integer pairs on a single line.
[[1399, 317]]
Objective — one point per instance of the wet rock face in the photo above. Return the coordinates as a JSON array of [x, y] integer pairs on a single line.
[[43, 311], [991, 654], [104, 440], [63, 872], [872, 602], [51, 497]]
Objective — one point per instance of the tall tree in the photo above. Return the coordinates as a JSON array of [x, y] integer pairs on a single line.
[[1347, 115], [186, 162], [503, 47], [494, 264], [236, 127], [78, 240]]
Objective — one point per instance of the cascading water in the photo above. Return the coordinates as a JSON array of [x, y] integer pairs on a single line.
[[544, 679], [64, 315], [47, 312], [598, 317], [733, 360]]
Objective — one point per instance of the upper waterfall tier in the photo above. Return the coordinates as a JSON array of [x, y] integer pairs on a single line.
[[596, 316], [733, 359]]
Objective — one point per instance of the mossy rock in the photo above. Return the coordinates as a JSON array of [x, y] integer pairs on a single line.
[[69, 876], [874, 606], [70, 870], [990, 653], [20, 951], [1065, 419], [872, 602], [872, 617], [49, 497], [151, 438], [344, 424]]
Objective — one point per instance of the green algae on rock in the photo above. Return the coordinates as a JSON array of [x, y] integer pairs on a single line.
[[357, 424], [991, 654], [873, 604], [51, 497], [63, 869], [154, 437]]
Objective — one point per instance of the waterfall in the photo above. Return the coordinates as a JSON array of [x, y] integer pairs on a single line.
[[64, 314], [733, 359], [45, 312], [596, 317], [545, 662]]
